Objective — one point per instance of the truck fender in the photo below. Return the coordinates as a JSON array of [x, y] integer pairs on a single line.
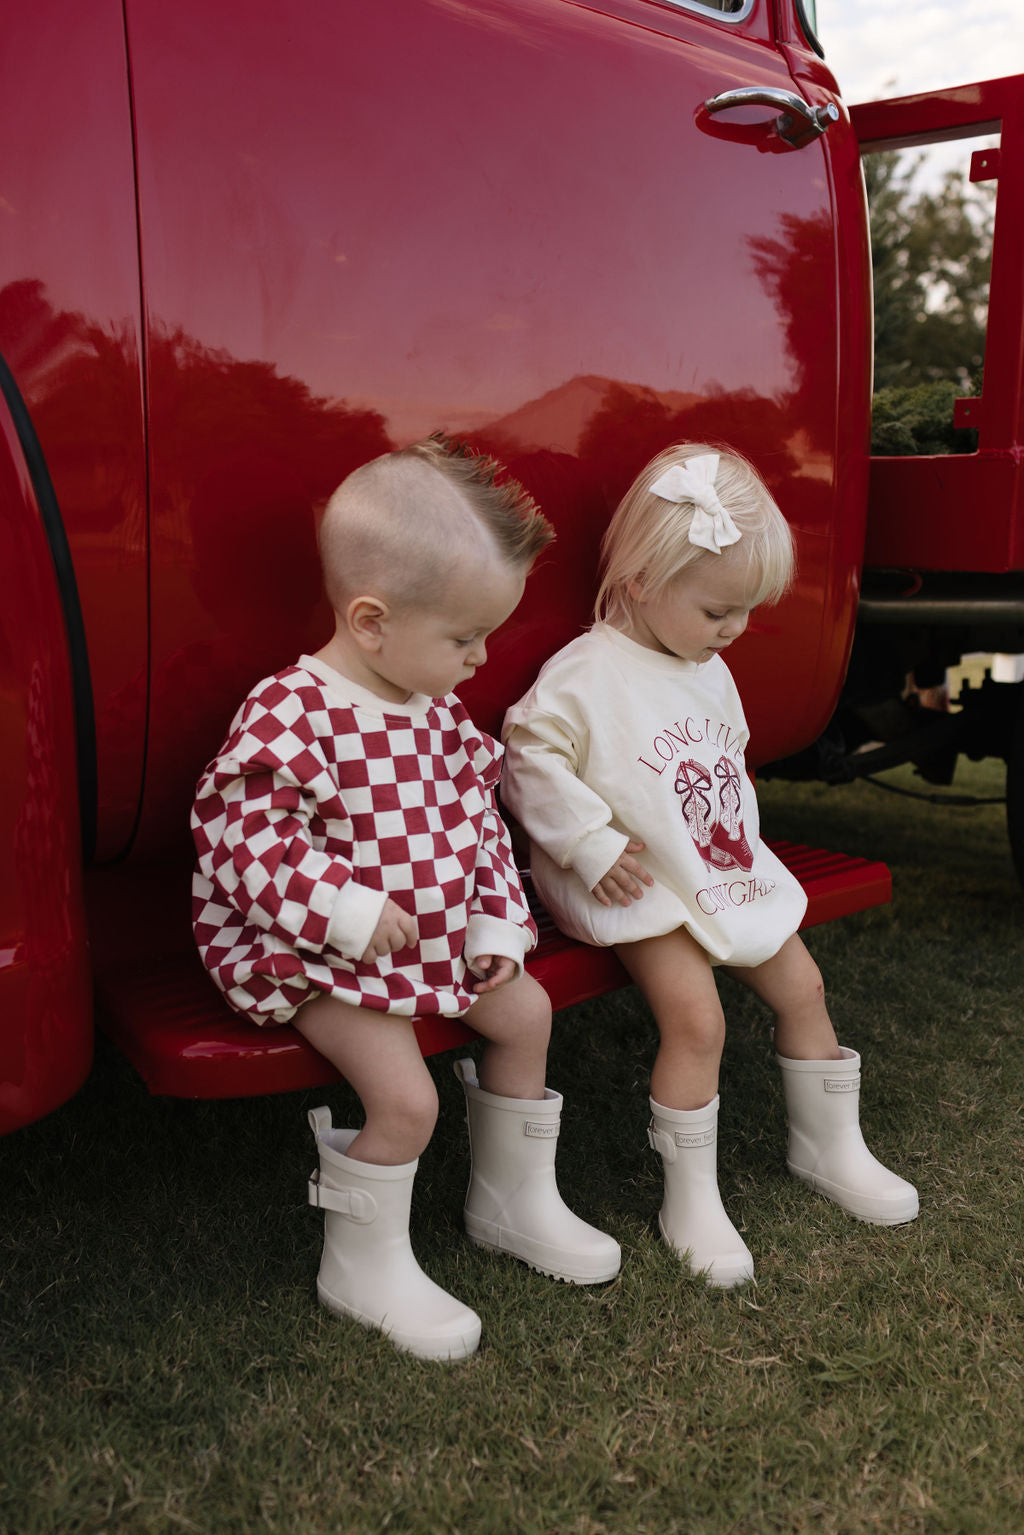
[[46, 1034]]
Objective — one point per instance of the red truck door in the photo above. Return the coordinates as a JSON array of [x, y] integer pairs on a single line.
[[516, 221]]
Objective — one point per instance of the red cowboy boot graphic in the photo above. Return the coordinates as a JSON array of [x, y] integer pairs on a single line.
[[693, 785], [730, 848]]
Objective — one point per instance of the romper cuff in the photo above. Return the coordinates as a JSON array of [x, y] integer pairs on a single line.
[[597, 853], [493, 935], [356, 913]]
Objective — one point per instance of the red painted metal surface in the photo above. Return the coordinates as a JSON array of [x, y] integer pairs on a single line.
[[362, 250], [70, 333], [336, 228], [964, 513], [173, 1025], [45, 989]]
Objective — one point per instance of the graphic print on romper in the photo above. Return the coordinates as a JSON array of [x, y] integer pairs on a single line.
[[717, 832]]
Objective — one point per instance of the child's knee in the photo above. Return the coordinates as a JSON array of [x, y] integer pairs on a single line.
[[518, 1014], [811, 991], [407, 1115], [799, 969], [700, 1029], [418, 1107], [534, 1010]]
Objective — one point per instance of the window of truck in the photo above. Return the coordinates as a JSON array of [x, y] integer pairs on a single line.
[[807, 15], [932, 214], [734, 9]]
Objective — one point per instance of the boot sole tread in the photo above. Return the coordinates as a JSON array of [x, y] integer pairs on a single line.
[[540, 1268]]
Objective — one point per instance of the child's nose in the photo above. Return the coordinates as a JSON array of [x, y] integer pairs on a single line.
[[734, 625], [477, 653]]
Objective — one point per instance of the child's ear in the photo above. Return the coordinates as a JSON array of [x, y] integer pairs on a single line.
[[635, 588], [365, 618]]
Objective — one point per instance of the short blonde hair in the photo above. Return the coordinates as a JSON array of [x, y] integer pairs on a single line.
[[396, 523], [503, 505], [648, 540]]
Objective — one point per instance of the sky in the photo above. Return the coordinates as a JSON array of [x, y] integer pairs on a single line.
[[881, 48]]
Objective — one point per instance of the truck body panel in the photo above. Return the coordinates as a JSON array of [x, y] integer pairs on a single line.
[[46, 1034], [70, 332], [529, 241], [242, 260]]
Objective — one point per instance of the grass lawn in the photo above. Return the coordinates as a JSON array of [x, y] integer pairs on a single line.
[[164, 1365]]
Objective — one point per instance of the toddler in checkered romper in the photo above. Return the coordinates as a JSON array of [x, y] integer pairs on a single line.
[[354, 873]]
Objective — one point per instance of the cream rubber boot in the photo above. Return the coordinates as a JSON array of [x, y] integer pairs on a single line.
[[692, 1217], [826, 1147], [513, 1204], [368, 1271]]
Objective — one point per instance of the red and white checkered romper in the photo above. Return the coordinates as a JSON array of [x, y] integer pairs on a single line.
[[323, 801]]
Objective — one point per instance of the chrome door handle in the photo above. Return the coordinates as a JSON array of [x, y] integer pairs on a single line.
[[799, 121]]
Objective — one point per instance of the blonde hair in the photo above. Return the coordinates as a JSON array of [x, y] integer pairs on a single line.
[[648, 541], [396, 524]]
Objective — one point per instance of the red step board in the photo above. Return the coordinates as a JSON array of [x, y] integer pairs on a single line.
[[167, 1017]]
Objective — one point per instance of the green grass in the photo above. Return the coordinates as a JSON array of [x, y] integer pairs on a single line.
[[164, 1365]]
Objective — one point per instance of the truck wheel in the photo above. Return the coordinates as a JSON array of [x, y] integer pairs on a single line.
[[1015, 788]]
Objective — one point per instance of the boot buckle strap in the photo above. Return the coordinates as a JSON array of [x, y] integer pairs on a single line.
[[357, 1204], [319, 1120], [661, 1142]]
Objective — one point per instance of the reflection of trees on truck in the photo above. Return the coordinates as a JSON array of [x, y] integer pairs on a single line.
[[295, 448]]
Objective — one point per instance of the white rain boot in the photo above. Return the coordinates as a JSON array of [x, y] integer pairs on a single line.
[[368, 1271], [826, 1147], [692, 1217], [513, 1204]]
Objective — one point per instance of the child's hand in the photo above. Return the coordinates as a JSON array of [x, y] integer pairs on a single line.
[[493, 970], [625, 879], [395, 930]]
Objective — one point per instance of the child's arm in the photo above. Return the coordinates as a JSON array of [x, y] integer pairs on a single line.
[[494, 970], [251, 824], [561, 813], [395, 930], [624, 881], [501, 930]]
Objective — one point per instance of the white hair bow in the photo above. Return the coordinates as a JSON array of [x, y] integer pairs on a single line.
[[712, 527]]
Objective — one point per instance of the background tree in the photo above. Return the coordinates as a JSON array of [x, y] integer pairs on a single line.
[[931, 255]]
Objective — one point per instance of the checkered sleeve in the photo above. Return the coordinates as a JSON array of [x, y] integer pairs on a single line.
[[499, 916], [251, 822]]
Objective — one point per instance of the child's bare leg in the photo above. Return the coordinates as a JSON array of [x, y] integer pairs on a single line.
[[368, 1269], [675, 976], [515, 1021], [378, 1054], [790, 984]]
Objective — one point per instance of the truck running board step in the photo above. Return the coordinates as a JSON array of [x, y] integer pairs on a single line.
[[164, 1013]]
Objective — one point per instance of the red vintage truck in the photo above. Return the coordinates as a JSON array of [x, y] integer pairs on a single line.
[[244, 251]]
